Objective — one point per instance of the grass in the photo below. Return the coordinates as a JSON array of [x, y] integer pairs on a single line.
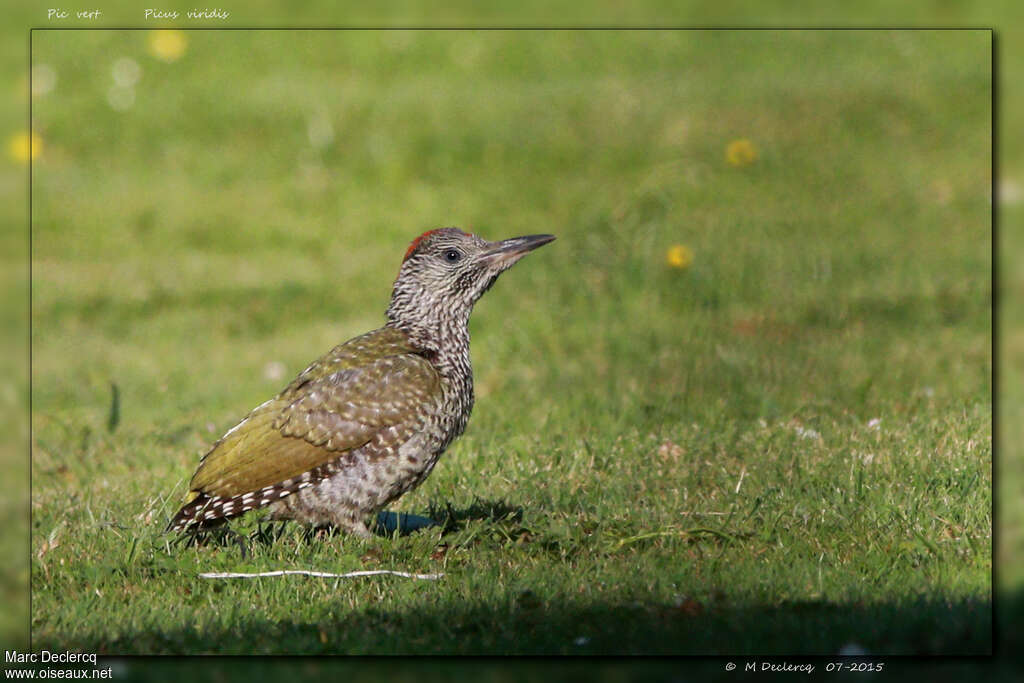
[[785, 447]]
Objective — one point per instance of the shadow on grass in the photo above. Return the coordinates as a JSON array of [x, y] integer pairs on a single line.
[[449, 518], [494, 511], [221, 534], [528, 626]]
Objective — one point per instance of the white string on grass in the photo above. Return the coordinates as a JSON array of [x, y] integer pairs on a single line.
[[327, 575]]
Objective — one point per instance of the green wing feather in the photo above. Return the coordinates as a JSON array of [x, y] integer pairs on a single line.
[[338, 404]]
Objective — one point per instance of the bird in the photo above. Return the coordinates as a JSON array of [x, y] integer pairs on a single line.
[[368, 421]]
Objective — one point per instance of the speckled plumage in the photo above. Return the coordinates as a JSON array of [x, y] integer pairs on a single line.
[[368, 421]]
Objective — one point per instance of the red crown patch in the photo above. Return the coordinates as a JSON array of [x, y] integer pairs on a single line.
[[428, 233], [416, 243]]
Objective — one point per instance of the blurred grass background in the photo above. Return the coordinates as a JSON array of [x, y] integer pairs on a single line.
[[412, 175]]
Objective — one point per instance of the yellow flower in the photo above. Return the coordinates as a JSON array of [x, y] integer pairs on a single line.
[[740, 153], [24, 147], [167, 44], [679, 256]]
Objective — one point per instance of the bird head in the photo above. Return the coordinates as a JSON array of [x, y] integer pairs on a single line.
[[446, 271]]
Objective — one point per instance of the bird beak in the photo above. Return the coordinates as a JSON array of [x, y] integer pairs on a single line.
[[507, 252]]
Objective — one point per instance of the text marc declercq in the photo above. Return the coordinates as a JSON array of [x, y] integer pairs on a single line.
[[45, 656]]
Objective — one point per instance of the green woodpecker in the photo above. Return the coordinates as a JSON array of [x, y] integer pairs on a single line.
[[368, 421]]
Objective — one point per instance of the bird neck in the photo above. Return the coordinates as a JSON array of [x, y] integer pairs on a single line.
[[444, 340], [436, 323]]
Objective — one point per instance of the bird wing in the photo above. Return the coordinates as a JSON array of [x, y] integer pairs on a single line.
[[339, 404]]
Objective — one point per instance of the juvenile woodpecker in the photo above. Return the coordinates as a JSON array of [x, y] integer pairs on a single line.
[[368, 421]]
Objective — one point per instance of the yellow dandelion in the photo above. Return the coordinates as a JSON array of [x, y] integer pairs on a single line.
[[679, 256], [167, 44], [24, 147], [740, 153]]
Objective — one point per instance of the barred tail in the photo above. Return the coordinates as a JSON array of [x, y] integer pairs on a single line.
[[205, 510], [202, 510]]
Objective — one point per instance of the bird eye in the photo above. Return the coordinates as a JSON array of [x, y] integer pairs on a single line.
[[452, 255]]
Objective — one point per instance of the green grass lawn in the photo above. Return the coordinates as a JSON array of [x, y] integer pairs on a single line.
[[784, 447]]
